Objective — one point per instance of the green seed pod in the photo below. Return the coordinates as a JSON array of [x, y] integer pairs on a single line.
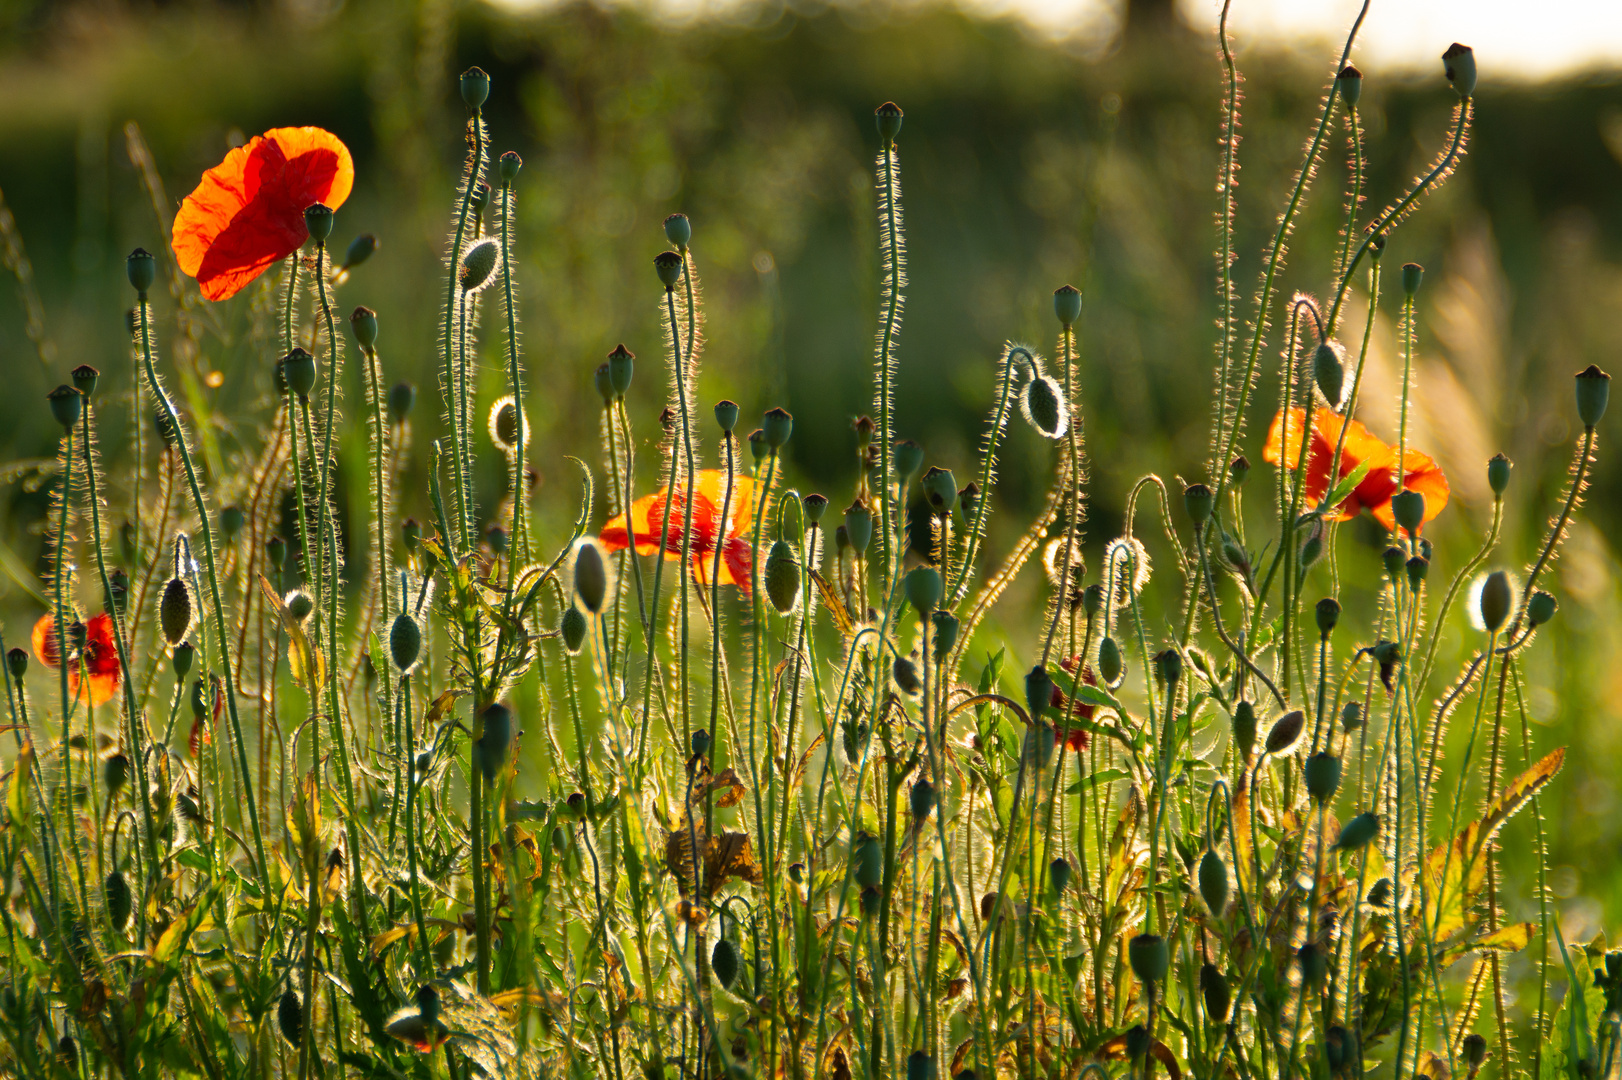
[[815, 506], [888, 117], [478, 267], [921, 1066], [1350, 82], [1593, 394], [1244, 729], [758, 447], [699, 742], [1412, 275], [1329, 373], [361, 248], [1168, 666], [778, 425], [1323, 776], [668, 264], [1149, 957], [175, 611], [946, 627], [1408, 507], [905, 673], [726, 414], [475, 86], [181, 659], [1038, 691], [232, 519], [1239, 470], [1459, 62], [298, 369], [921, 799], [1418, 568], [867, 860], [491, 749], [67, 405], [290, 1016], [1351, 717], [363, 323], [85, 379], [1067, 304], [405, 642], [872, 901], [1284, 732], [1541, 608], [1213, 875], [590, 576], [507, 167], [841, 541], [679, 231], [402, 396], [1110, 665], [318, 220], [276, 552], [1395, 559], [1092, 599], [1357, 832], [1058, 877], [1498, 467], [1497, 600], [782, 577], [1214, 988], [1043, 405], [621, 366], [573, 629], [120, 902], [969, 500], [940, 490], [724, 962], [115, 773], [923, 588], [1314, 964], [299, 604], [142, 269], [1328, 615], [908, 459], [1198, 501]]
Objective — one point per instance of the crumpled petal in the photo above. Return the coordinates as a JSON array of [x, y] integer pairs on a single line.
[[1373, 493]]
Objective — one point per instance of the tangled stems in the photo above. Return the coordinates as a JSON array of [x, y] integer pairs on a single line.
[[890, 225], [458, 416], [1014, 355], [515, 377], [64, 657]]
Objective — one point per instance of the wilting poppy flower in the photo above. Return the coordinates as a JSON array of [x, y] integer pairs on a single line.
[[247, 212], [1077, 739], [100, 655], [1373, 493], [709, 492]]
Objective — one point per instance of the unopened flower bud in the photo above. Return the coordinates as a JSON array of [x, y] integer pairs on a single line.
[[573, 629], [1213, 877], [1351, 716], [1408, 508], [276, 552], [1284, 732], [679, 231], [1038, 691], [1058, 877], [491, 747], [905, 673], [921, 799], [299, 604], [405, 641], [605, 388], [1475, 1050], [1110, 665], [867, 860], [923, 588], [1067, 304], [1214, 989], [1329, 373], [1169, 665], [1418, 568], [478, 265], [590, 576], [175, 611], [182, 659], [1244, 729], [1459, 62], [1497, 598], [946, 627], [1092, 599], [1358, 831], [759, 448], [782, 574], [361, 248], [1239, 470], [1540, 608]]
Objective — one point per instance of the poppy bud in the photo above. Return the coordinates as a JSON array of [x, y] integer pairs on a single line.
[[782, 577], [507, 167], [858, 526], [679, 231], [921, 799], [405, 641], [299, 605], [758, 447], [1328, 613], [888, 117], [475, 87], [318, 220], [231, 521], [1244, 728], [120, 902], [1239, 470], [1350, 82], [1540, 608], [909, 458], [1313, 963], [1149, 957], [1328, 372], [1497, 598], [1312, 548], [1394, 559], [1169, 665], [791, 521], [590, 576], [1214, 988], [1058, 877], [1376, 246], [1475, 1051], [363, 321], [946, 628], [67, 404], [699, 742], [1038, 691], [276, 552], [724, 962], [290, 1017], [1593, 393], [1408, 507], [573, 629], [1067, 304], [867, 860], [1412, 275], [491, 749], [361, 248], [402, 396], [1092, 598], [85, 378], [1418, 568], [969, 499], [1323, 776], [478, 265], [940, 490], [1213, 874], [182, 659], [298, 370], [1138, 1042], [1044, 407], [1358, 832], [923, 588], [668, 264], [1110, 665], [1198, 501], [905, 673], [142, 269], [778, 425], [17, 663], [175, 611], [872, 900], [1498, 473], [1351, 716], [815, 506], [1338, 1049], [1284, 732], [1233, 554], [1459, 62], [621, 366], [605, 388]]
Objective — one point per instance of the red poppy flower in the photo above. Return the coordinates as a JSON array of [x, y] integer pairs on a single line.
[[100, 655], [247, 212], [1077, 739], [1373, 493], [709, 492]]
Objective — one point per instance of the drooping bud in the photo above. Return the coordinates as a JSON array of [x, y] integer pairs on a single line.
[[1593, 394], [175, 611], [290, 1016], [1169, 666], [1067, 304], [679, 231], [1408, 508], [67, 405], [478, 265], [573, 629], [668, 264], [1213, 875], [1284, 732], [923, 588], [491, 748], [1329, 373], [1314, 963], [1244, 729], [1092, 599], [1459, 62], [120, 901], [1351, 716], [778, 425], [905, 674], [1497, 599], [1043, 405], [1350, 82], [318, 220], [1110, 664], [1540, 608], [142, 269], [115, 773], [782, 577], [475, 86], [405, 641], [1358, 832], [1323, 776], [888, 117], [590, 576], [940, 490], [361, 248], [921, 799]]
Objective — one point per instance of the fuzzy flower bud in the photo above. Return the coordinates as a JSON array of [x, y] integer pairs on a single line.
[[491, 747], [573, 629], [590, 576], [1497, 599], [1213, 877], [923, 588], [1540, 608], [478, 266], [782, 574], [405, 641], [175, 611], [1038, 691]]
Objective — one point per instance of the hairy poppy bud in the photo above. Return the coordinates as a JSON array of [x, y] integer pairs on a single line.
[[175, 611], [1329, 373], [142, 269], [940, 490], [1328, 615], [724, 962], [1408, 507], [815, 506], [946, 627], [1323, 776], [969, 499], [791, 521], [363, 321], [905, 673], [1058, 877], [1092, 599], [67, 405], [298, 369], [867, 860], [402, 396], [778, 425], [590, 576], [478, 265], [290, 1016], [299, 605], [85, 378], [605, 388], [1351, 716], [1110, 665], [276, 552], [1198, 501], [1350, 81], [1358, 832], [1540, 608], [1593, 394], [120, 902], [758, 447], [923, 588], [115, 773], [1239, 470], [507, 167], [859, 526], [17, 663], [921, 799], [361, 248], [1043, 404], [475, 87], [1475, 1051], [1169, 665], [909, 458], [1149, 957], [1459, 62], [573, 629], [1213, 875], [491, 749], [782, 577], [1038, 691], [1067, 304], [1214, 988], [318, 220], [1284, 732], [888, 117], [1412, 275], [1497, 598], [668, 264], [699, 742], [182, 659], [1244, 729], [405, 641], [621, 366], [1498, 473], [872, 901], [679, 231]]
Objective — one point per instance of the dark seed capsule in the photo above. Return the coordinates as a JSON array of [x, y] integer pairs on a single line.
[[724, 962], [405, 641], [497, 738], [573, 629], [1214, 988], [1149, 956], [290, 1016], [905, 673], [867, 860], [1213, 875], [119, 900], [175, 611], [782, 577]]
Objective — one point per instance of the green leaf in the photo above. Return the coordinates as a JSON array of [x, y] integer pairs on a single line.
[[1102, 776], [1347, 485]]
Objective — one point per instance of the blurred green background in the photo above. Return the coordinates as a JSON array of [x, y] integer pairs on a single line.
[[1026, 163]]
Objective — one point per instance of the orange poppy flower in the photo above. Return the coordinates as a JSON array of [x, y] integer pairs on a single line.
[[1077, 739], [1373, 493], [100, 655], [709, 492], [247, 212]]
